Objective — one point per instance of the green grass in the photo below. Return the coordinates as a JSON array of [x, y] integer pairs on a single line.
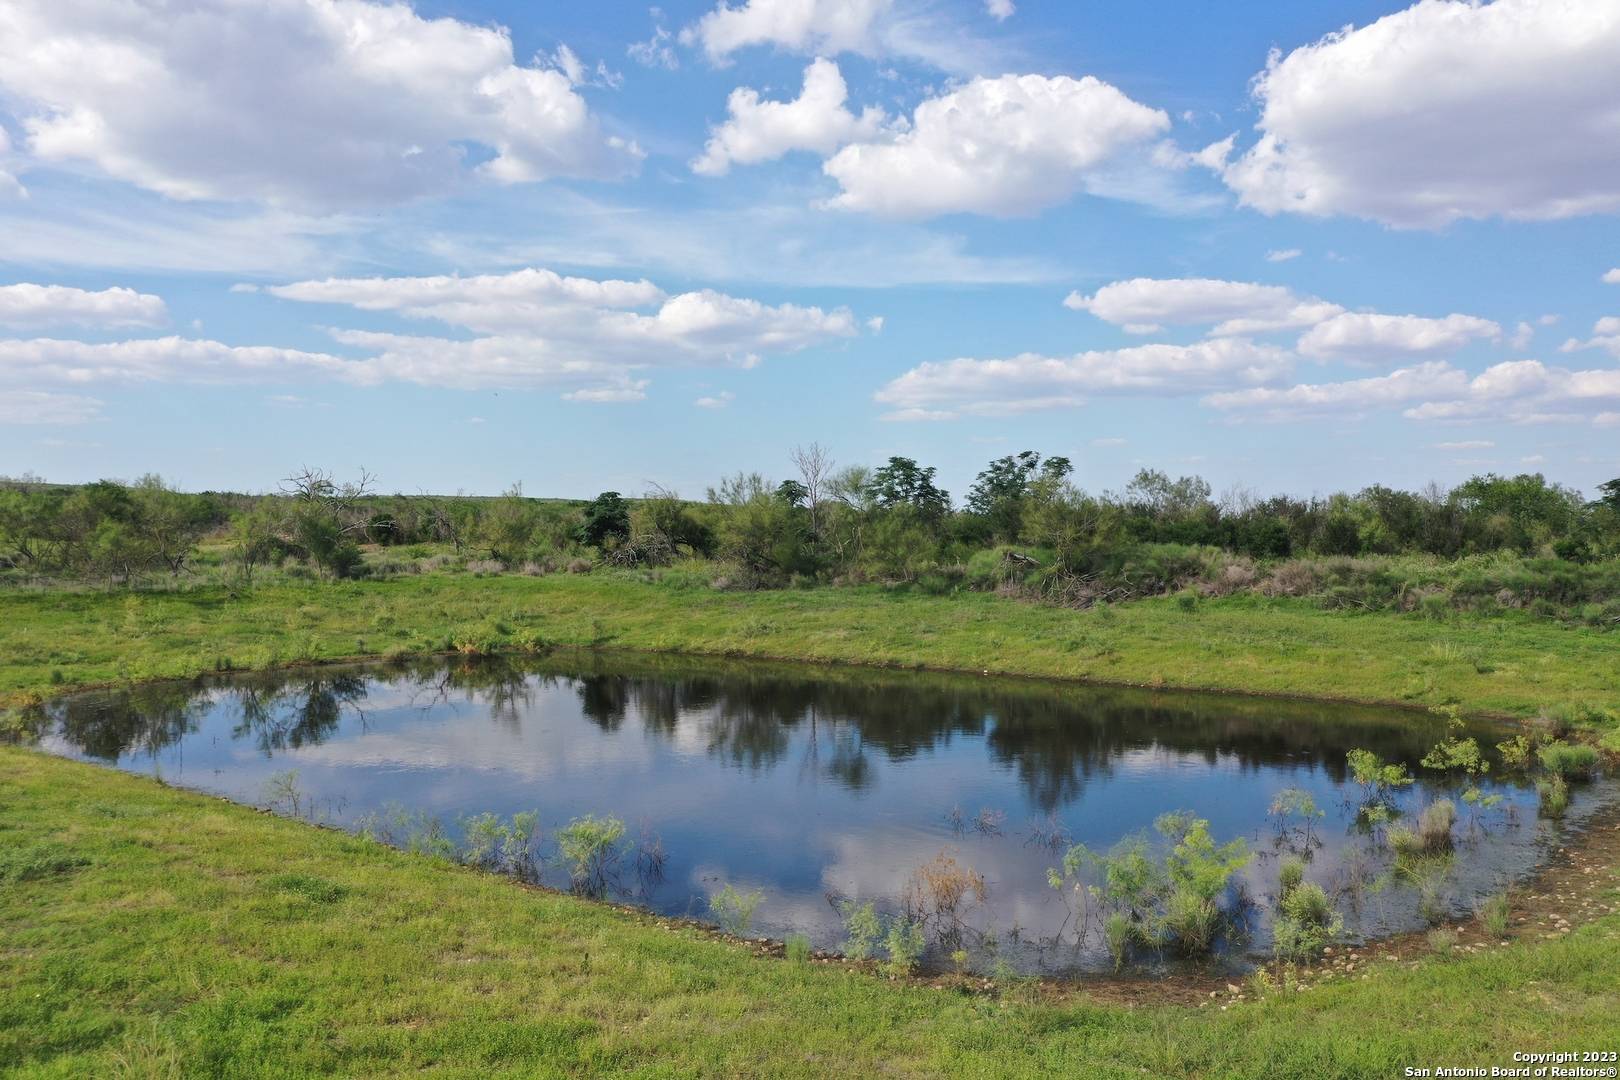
[[1510, 663], [192, 936]]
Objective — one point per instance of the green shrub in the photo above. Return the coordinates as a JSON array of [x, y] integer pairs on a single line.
[[1435, 824], [862, 929], [1377, 779], [1190, 920], [591, 848], [904, 942], [1554, 794], [1309, 904], [1571, 761], [797, 948], [492, 844], [734, 910], [1290, 872], [1494, 912], [1306, 923], [1119, 930]]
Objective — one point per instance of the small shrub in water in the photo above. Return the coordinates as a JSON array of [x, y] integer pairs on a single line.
[[496, 845], [940, 892], [1554, 793], [1434, 825], [1515, 752], [904, 943], [1570, 761], [1431, 874], [798, 949], [1377, 779], [1296, 803], [1191, 920], [862, 929], [1403, 841], [1306, 923], [1309, 903], [591, 848], [1119, 930], [1290, 872], [733, 910]]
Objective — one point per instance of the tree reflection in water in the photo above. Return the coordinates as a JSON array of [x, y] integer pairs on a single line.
[[1053, 737]]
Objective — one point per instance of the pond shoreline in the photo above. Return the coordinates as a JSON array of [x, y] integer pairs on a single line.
[[881, 666]]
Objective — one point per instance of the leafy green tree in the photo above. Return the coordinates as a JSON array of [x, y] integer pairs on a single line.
[[902, 482], [254, 540], [1521, 512], [324, 517], [507, 528], [606, 520], [168, 523], [1611, 494], [1002, 491], [665, 514]]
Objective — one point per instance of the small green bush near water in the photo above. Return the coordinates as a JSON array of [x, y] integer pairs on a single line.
[[1306, 923], [904, 942], [591, 848], [862, 929], [1554, 793], [1290, 872], [1571, 761], [734, 910], [1494, 912]]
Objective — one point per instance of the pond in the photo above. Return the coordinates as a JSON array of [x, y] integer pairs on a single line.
[[947, 802]]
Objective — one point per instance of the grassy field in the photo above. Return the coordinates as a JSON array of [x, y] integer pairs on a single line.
[[149, 931], [1509, 664]]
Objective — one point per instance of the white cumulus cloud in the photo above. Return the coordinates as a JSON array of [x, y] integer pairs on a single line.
[[1450, 109], [1005, 147], [308, 102], [1145, 305], [27, 304], [1355, 395], [1000, 10], [944, 390], [816, 120], [532, 328], [1605, 335], [1363, 337], [822, 26], [1518, 391]]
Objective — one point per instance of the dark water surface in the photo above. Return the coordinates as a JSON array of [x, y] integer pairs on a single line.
[[812, 785]]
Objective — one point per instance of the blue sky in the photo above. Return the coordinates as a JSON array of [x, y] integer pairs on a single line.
[[595, 246]]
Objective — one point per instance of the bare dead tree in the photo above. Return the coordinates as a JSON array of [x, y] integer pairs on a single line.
[[815, 467]]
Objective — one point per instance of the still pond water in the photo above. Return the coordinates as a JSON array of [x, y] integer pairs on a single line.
[[816, 786]]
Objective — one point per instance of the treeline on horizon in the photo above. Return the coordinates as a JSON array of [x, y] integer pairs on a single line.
[[1024, 527]]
